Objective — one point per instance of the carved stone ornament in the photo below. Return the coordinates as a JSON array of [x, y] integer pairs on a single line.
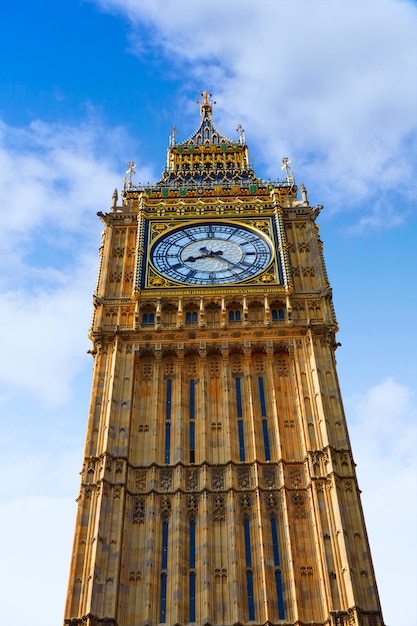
[[218, 509], [192, 503], [218, 480], [269, 477], [166, 480], [272, 500], [140, 480], [244, 479], [192, 480], [245, 502], [165, 504], [295, 478], [139, 511]]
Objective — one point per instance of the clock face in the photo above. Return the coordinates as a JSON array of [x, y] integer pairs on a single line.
[[212, 253]]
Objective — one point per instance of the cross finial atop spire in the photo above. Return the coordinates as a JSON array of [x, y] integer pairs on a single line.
[[172, 136], [206, 104]]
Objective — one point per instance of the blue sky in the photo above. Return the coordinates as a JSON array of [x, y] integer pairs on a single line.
[[87, 86]]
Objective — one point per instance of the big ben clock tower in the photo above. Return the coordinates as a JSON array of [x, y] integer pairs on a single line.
[[218, 485]]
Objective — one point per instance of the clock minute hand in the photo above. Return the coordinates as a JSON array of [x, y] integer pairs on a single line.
[[228, 262]]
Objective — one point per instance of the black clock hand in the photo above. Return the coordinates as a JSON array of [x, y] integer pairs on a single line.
[[210, 255], [229, 262], [191, 259]]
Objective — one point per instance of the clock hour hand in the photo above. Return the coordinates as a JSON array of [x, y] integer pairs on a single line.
[[209, 254]]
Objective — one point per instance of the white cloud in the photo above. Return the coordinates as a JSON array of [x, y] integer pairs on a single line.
[[46, 332], [329, 83], [53, 179]]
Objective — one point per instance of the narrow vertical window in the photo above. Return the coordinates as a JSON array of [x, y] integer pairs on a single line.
[[277, 563], [262, 396], [192, 542], [251, 600], [164, 575], [168, 404], [240, 420], [192, 574], [264, 420], [163, 600], [249, 573], [192, 597], [192, 421]]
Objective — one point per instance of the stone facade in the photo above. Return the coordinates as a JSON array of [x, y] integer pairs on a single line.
[[218, 485]]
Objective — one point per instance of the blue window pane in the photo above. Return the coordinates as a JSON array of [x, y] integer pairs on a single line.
[[280, 595], [247, 543], [145, 318], [168, 400], [262, 396], [238, 398], [192, 436], [167, 442], [192, 399], [251, 601], [187, 318], [194, 317], [163, 599], [237, 316], [164, 560], [192, 543], [281, 314], [151, 318], [231, 316], [275, 544], [192, 597], [274, 314], [241, 440], [266, 440]]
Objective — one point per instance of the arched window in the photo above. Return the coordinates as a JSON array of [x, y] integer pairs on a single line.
[[234, 316], [278, 314], [191, 317], [148, 318]]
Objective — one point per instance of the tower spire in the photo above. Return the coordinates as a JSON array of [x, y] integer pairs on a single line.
[[206, 108]]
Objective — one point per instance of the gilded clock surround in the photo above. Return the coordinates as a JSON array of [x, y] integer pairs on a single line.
[[216, 415]]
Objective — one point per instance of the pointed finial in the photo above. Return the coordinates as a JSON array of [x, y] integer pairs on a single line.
[[304, 195], [114, 200], [172, 136], [286, 167], [130, 171], [241, 132], [206, 105]]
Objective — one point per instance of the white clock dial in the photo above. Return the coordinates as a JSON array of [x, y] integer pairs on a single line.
[[212, 253]]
